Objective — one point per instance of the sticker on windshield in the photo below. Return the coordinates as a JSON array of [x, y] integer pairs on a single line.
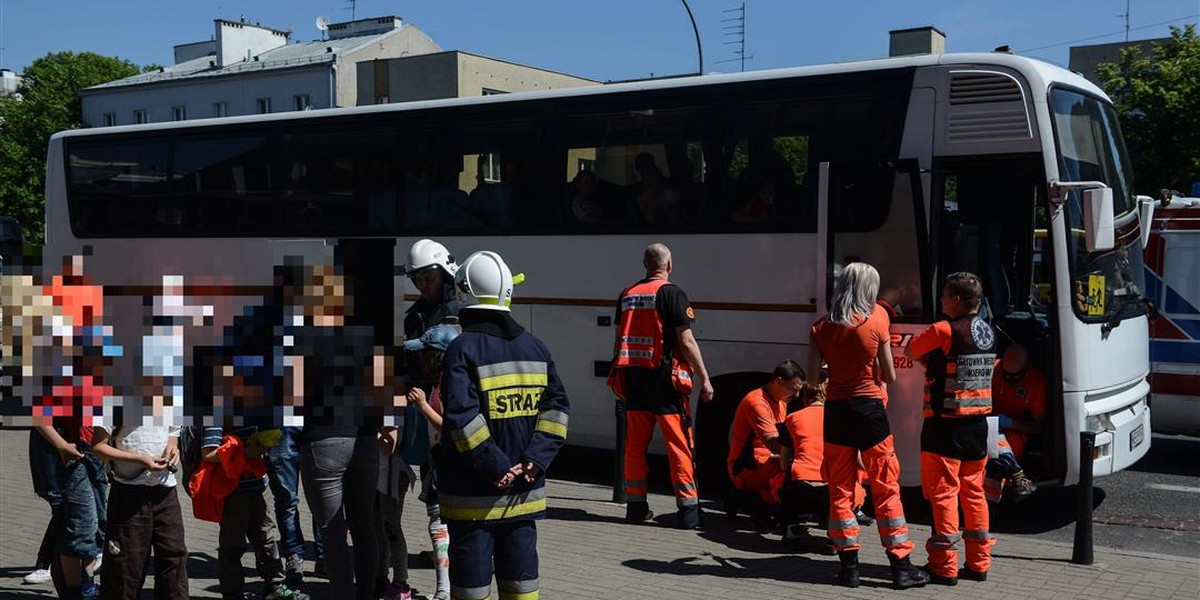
[[1095, 296]]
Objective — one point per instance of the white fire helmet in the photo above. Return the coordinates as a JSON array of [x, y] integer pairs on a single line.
[[428, 253], [484, 281]]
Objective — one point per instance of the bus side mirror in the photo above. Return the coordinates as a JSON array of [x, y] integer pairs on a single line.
[[1099, 232], [1146, 207]]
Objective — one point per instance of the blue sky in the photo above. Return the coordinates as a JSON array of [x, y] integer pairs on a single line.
[[606, 39]]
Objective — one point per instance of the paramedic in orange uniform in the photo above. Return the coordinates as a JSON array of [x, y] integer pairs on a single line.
[[1019, 393], [959, 356], [855, 341], [754, 447], [801, 455], [657, 361]]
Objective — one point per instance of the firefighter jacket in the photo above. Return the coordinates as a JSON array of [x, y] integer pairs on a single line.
[[958, 379], [640, 342], [503, 405]]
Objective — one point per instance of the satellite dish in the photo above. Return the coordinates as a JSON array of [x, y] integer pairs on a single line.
[[322, 23]]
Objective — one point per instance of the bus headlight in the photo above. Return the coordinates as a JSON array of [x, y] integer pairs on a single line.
[[1099, 423]]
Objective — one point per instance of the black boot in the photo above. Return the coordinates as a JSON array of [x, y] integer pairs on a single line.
[[905, 575], [638, 512], [848, 575], [688, 517]]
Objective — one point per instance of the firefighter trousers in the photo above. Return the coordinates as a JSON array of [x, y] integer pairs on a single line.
[[948, 484], [510, 547], [677, 436]]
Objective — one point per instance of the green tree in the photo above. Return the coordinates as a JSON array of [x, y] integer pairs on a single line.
[[1157, 96], [47, 102]]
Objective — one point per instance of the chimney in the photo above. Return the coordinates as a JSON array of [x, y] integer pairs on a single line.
[[237, 41], [918, 40]]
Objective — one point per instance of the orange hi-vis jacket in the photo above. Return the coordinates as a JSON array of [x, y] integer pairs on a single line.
[[959, 376], [640, 339]]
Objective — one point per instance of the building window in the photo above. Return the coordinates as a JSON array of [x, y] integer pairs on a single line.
[[489, 167], [110, 119], [141, 116], [220, 109], [264, 105], [303, 102], [178, 113]]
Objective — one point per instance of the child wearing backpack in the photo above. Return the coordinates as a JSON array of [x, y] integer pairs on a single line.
[[143, 511], [432, 348]]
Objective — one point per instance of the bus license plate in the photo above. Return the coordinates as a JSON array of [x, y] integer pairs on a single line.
[[1137, 436]]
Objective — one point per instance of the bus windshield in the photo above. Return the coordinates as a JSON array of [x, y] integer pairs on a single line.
[[1107, 284]]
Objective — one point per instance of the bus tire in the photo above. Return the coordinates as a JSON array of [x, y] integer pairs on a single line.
[[712, 428]]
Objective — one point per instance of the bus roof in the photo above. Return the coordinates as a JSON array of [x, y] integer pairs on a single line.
[[1039, 74]]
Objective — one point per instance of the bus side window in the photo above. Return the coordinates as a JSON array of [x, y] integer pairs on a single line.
[[633, 170]]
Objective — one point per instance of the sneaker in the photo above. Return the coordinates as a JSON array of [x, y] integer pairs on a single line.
[[320, 570], [968, 574], [1020, 486], [280, 591], [38, 576], [293, 569], [397, 591], [936, 579], [89, 592]]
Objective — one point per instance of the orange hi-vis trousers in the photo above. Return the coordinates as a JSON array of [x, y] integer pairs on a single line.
[[639, 430], [765, 480], [948, 483], [883, 473]]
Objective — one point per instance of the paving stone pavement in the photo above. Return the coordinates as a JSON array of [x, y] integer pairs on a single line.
[[587, 552]]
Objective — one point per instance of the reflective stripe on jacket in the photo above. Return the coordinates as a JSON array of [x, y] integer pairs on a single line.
[[640, 338], [504, 404], [959, 384]]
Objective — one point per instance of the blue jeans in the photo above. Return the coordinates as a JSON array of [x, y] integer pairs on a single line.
[[44, 465], [83, 515], [283, 473]]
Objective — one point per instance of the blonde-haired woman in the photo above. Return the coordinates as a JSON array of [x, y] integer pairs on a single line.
[[854, 340]]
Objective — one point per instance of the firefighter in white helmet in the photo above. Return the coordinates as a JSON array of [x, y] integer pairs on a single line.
[[430, 267], [505, 418]]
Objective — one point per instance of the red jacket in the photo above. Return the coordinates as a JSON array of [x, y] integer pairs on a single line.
[[213, 481]]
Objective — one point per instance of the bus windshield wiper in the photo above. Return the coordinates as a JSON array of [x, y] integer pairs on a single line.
[[1129, 297]]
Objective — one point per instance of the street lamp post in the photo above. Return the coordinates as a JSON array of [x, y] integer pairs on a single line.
[[695, 30]]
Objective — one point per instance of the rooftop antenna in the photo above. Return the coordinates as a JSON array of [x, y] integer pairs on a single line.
[[351, 9], [736, 29], [322, 24]]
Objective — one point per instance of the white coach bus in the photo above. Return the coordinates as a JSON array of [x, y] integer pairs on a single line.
[[760, 182]]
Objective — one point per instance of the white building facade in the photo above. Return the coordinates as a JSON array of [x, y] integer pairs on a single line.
[[248, 68]]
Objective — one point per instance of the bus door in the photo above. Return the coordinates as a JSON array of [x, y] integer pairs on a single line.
[[991, 220], [875, 213]]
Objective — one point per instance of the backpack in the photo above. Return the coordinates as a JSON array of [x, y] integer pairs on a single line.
[[189, 455]]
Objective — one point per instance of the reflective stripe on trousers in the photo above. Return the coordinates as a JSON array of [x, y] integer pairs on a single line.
[[639, 430], [947, 483]]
